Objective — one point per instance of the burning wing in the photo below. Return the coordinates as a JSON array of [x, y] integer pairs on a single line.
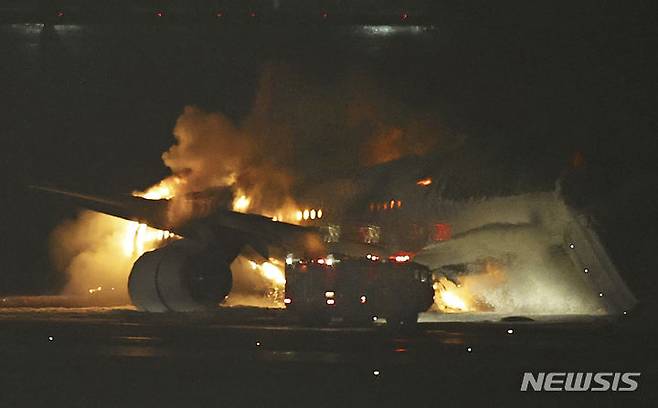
[[193, 273], [150, 212]]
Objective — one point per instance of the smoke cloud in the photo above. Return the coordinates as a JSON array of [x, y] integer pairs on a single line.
[[89, 250], [301, 129]]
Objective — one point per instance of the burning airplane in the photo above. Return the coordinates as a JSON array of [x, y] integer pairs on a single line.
[[491, 245]]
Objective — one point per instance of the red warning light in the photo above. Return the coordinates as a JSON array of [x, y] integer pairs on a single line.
[[442, 232], [59, 13], [252, 14], [159, 13], [324, 14], [404, 16]]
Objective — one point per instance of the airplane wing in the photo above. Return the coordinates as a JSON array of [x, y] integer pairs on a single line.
[[255, 230], [151, 212]]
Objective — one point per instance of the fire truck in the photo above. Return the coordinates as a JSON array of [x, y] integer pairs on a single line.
[[358, 289]]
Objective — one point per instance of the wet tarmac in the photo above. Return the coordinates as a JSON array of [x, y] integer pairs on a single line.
[[116, 356]]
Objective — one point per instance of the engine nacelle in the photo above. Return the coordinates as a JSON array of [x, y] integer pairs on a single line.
[[181, 277]]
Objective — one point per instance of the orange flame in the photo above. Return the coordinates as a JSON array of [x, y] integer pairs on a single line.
[[164, 190], [462, 295]]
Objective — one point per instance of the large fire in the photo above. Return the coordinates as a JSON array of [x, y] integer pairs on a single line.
[[139, 237]]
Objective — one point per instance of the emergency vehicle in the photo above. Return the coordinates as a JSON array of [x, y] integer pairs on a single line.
[[358, 289]]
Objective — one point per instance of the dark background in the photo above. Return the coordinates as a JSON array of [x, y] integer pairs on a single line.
[[91, 104]]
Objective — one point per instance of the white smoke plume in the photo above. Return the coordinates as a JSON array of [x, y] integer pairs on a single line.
[[89, 250]]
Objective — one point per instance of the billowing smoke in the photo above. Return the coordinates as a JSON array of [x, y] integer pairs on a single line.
[[89, 249], [301, 129]]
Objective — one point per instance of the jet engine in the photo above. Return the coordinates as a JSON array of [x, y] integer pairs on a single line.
[[183, 276]]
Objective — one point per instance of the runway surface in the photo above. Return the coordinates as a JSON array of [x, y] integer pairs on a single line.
[[116, 356]]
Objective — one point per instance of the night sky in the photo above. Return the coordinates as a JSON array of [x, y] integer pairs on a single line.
[[92, 107]]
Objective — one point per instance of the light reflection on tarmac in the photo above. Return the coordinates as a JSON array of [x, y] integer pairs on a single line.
[[238, 356]]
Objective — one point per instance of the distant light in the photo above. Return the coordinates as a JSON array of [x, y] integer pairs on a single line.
[[59, 13], [404, 16], [289, 259], [510, 331], [375, 373], [299, 215], [219, 14], [305, 214], [392, 204], [329, 261], [586, 270], [287, 301], [252, 14], [324, 14], [600, 294], [329, 294], [112, 289], [312, 214], [159, 13], [469, 349], [424, 182], [572, 246], [51, 338], [625, 312], [321, 261], [331, 301], [258, 344], [374, 318], [319, 214], [363, 299]]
